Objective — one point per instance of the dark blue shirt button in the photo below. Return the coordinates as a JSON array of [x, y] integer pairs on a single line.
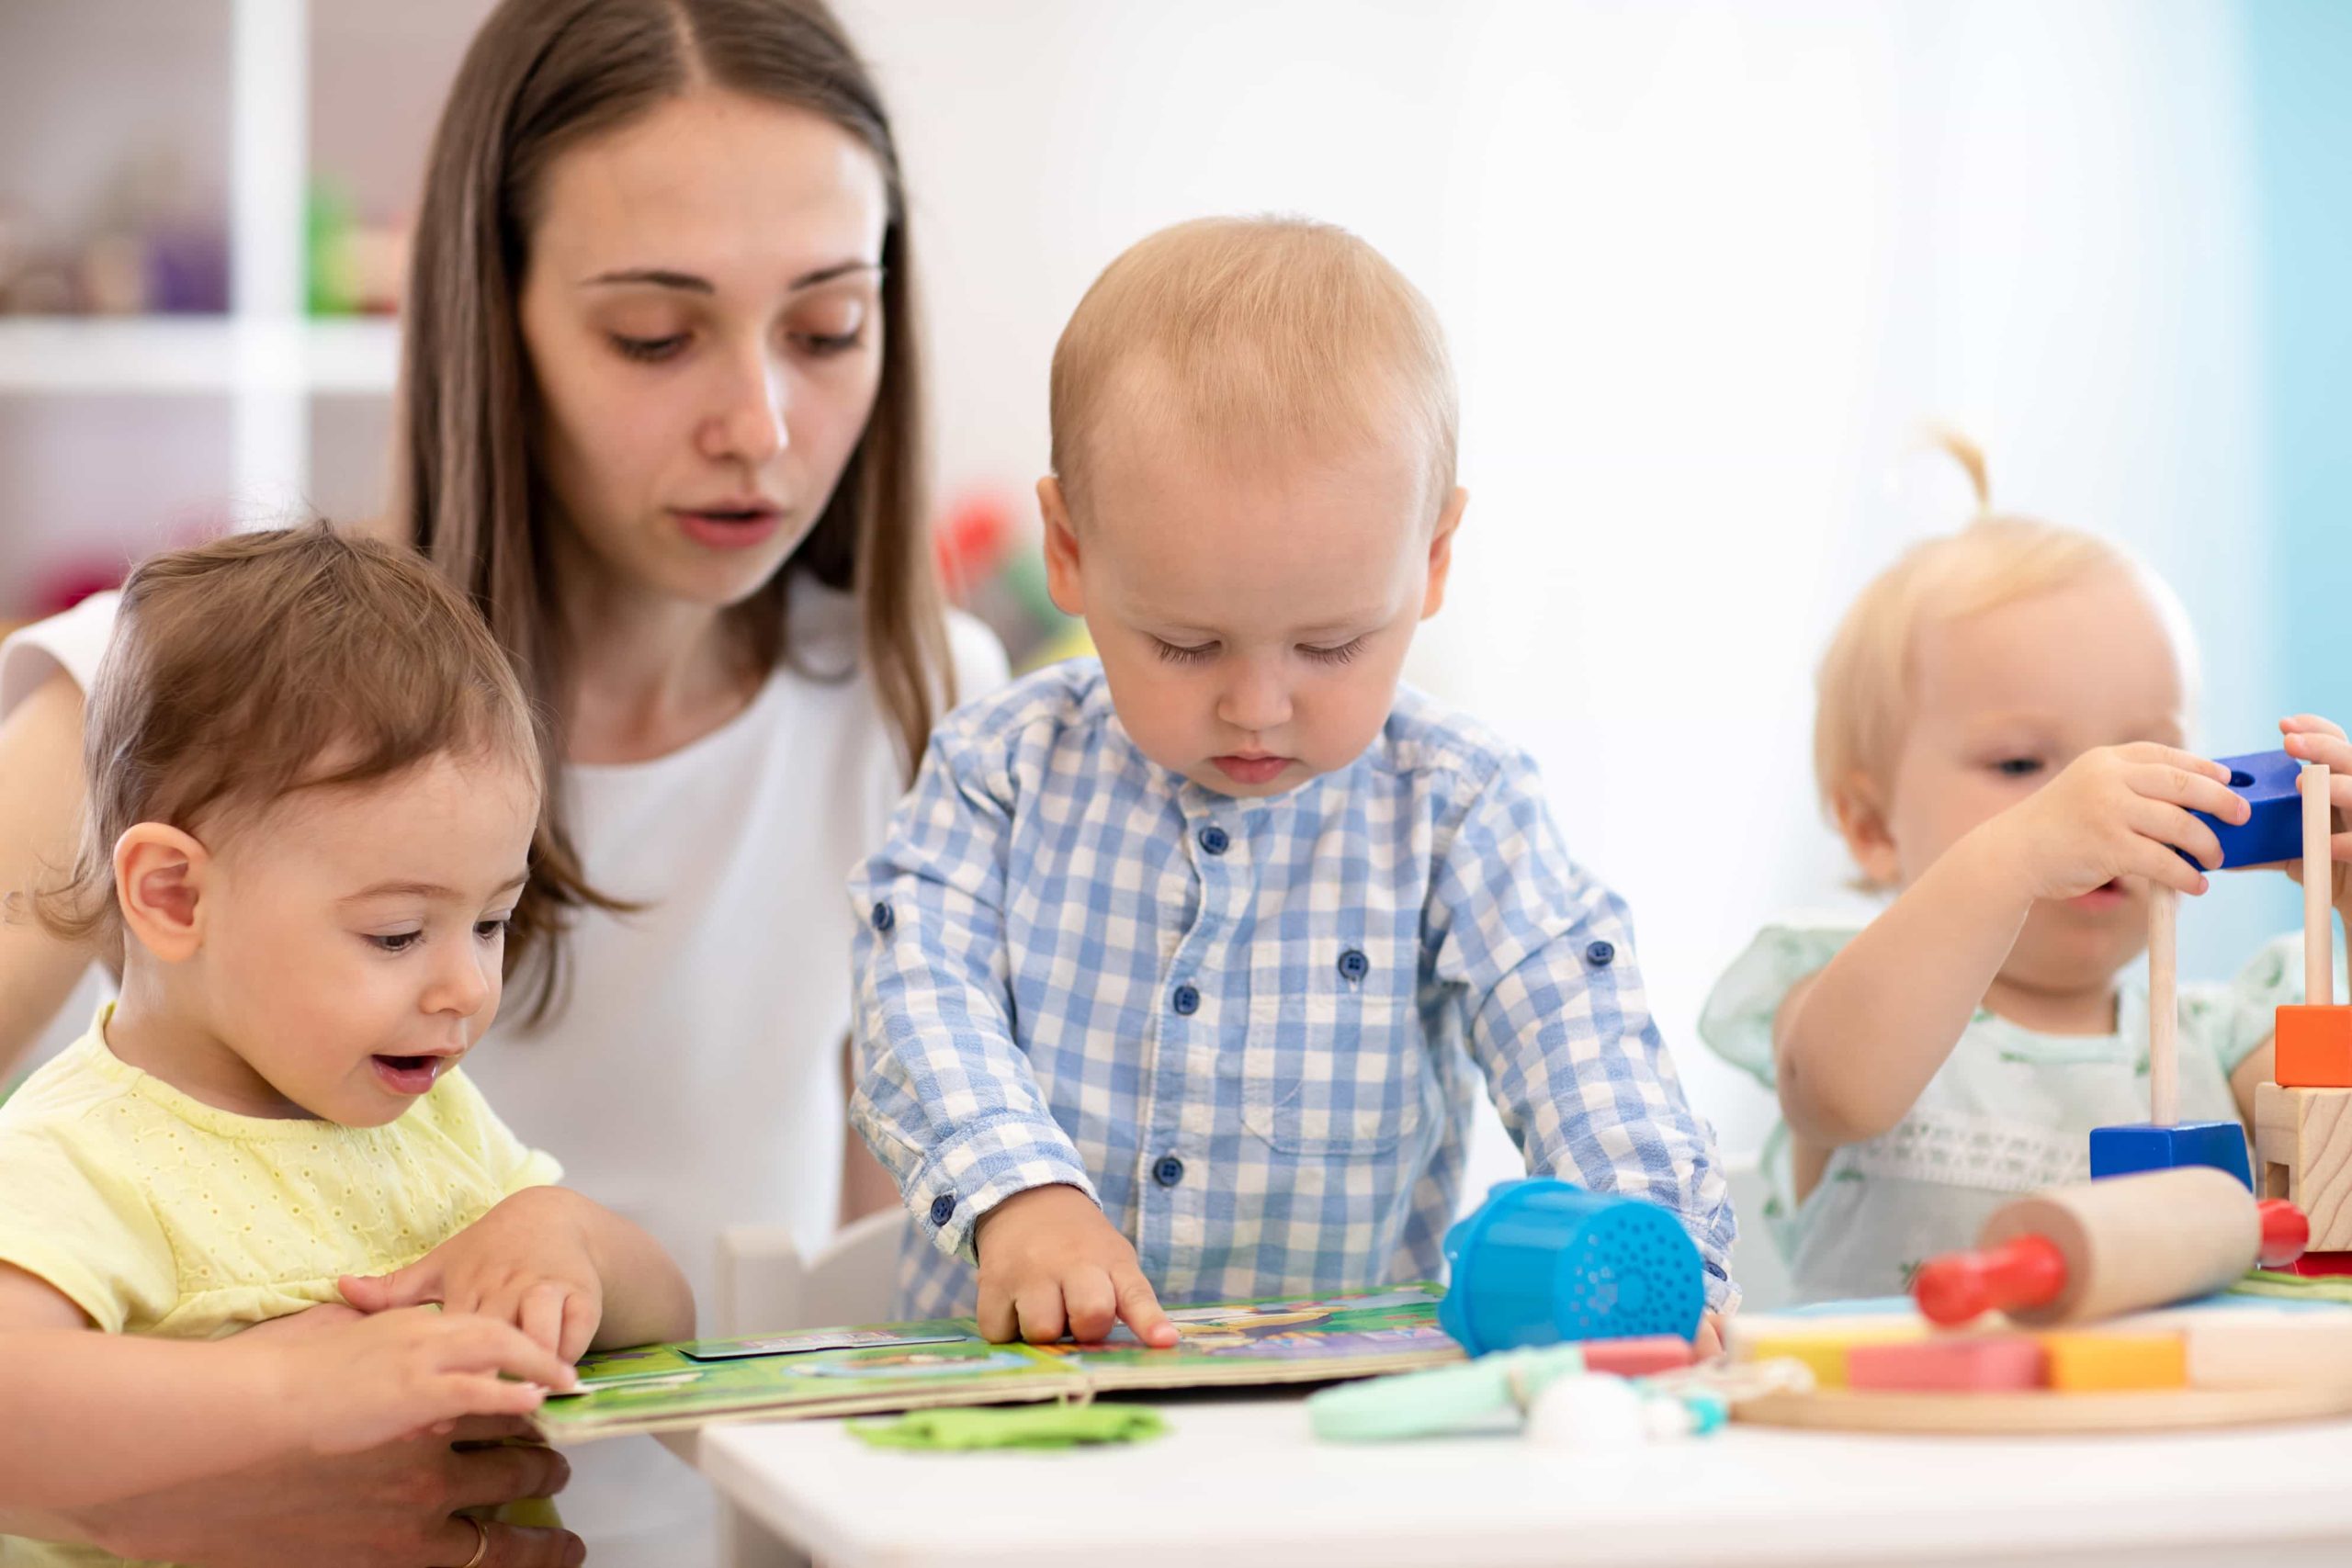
[[885, 917], [1186, 1000], [943, 1208], [1601, 955], [1213, 840], [1168, 1170], [1355, 966]]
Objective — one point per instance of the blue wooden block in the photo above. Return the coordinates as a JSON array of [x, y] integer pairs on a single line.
[[2127, 1151], [2275, 831]]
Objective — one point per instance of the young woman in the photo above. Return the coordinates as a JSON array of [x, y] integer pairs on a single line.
[[660, 416]]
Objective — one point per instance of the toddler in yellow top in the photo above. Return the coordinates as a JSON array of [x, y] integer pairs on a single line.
[[313, 786]]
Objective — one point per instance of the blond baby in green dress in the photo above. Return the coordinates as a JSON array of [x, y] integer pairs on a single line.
[[313, 790], [1999, 742]]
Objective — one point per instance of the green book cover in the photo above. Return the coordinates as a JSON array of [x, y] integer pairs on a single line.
[[885, 1368]]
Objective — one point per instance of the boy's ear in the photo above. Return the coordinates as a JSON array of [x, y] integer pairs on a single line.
[[1442, 551], [1061, 549], [1859, 806], [159, 877]]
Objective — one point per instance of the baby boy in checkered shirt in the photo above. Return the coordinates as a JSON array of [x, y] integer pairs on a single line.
[[1182, 966]]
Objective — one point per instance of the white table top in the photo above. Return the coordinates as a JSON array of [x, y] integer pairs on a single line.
[[1242, 1481]]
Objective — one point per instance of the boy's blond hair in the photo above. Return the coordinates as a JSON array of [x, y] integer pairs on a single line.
[[1864, 681], [262, 665], [1255, 332]]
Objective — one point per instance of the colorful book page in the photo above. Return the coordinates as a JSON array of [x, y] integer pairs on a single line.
[[1304, 1339]]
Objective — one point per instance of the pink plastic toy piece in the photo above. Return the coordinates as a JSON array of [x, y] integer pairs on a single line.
[[1970, 1364], [1640, 1357]]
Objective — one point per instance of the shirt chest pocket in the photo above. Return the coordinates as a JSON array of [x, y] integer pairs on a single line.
[[1338, 1067]]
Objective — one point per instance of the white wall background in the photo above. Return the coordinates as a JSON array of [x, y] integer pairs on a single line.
[[1706, 267]]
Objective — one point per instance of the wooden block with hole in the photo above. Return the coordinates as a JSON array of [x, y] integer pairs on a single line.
[[2313, 1047], [2303, 1144]]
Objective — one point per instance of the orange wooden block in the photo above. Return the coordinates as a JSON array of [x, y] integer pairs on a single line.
[[2098, 1360], [2314, 1047]]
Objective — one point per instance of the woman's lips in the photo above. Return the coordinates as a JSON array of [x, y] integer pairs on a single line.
[[730, 529]]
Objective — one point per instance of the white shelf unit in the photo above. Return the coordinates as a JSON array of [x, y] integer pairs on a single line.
[[53, 355], [266, 358]]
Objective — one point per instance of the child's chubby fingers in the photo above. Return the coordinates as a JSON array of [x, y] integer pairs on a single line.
[[415, 1285], [1090, 1303], [2174, 826], [468, 1343], [2186, 779], [1709, 1340], [1040, 1311], [999, 1322], [539, 1313], [2310, 738], [410, 1370], [1139, 1308], [2155, 862], [581, 1315]]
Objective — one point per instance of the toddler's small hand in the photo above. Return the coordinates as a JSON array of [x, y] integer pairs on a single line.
[[2310, 738], [2119, 811], [349, 1386], [526, 1262], [1050, 1262]]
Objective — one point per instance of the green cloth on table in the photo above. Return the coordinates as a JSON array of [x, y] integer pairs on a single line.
[[1021, 1426], [2295, 1287]]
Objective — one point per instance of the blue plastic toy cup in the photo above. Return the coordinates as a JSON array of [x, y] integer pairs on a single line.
[[1542, 1261]]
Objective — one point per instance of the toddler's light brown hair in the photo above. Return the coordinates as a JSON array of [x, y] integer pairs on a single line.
[[261, 665], [1254, 334]]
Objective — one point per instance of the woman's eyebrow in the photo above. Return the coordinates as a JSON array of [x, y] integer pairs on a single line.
[[667, 278]]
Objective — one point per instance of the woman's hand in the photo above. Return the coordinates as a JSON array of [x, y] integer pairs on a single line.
[[390, 1507]]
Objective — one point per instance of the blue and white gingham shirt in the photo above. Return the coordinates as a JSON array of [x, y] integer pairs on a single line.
[[1249, 1029]]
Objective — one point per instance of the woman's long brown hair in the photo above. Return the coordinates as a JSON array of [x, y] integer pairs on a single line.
[[540, 77]]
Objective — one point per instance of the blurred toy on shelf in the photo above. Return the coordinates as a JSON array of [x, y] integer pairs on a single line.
[[987, 568], [62, 584], [152, 244], [62, 579], [353, 267]]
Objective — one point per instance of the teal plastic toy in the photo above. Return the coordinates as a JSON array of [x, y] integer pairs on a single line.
[[1542, 1261], [1443, 1399], [1520, 1385]]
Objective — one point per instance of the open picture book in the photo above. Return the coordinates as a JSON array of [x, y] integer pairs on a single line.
[[887, 1368]]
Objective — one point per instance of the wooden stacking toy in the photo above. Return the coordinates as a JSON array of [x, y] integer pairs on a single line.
[[2303, 1119]]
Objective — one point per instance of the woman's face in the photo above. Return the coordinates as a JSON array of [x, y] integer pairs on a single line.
[[702, 308]]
